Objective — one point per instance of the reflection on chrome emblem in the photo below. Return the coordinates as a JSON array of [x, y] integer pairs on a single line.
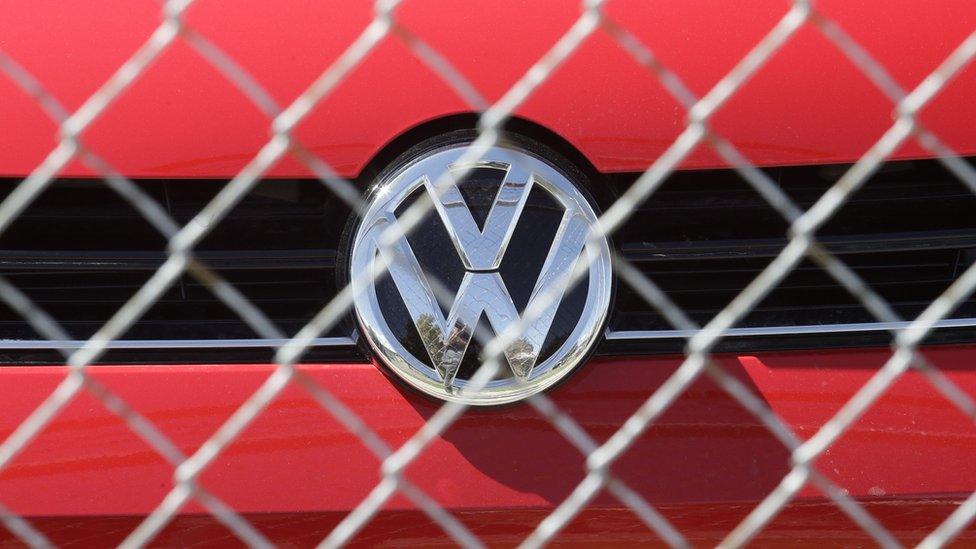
[[402, 306]]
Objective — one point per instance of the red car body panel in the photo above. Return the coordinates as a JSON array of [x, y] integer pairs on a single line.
[[705, 460], [183, 119], [706, 463], [801, 524]]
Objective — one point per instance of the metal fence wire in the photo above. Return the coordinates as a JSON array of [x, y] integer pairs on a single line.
[[802, 243]]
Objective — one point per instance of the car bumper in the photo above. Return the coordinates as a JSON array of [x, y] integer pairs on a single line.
[[705, 463]]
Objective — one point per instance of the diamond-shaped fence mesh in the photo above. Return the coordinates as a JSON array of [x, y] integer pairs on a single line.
[[180, 260]]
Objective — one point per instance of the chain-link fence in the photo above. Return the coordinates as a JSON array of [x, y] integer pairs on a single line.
[[698, 362]]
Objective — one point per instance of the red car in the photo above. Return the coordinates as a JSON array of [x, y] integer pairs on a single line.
[[507, 248]]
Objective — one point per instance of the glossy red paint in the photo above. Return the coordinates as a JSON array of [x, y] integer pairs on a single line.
[[182, 119], [705, 454], [295, 472], [800, 524]]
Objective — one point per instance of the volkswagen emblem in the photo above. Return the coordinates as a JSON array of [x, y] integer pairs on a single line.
[[502, 238]]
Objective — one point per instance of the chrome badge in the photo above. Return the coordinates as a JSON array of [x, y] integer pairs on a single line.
[[511, 231]]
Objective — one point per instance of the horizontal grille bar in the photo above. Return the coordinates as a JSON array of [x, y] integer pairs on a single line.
[[787, 330], [259, 343], [60, 261], [847, 244]]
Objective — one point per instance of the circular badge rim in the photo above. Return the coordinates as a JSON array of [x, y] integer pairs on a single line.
[[393, 355]]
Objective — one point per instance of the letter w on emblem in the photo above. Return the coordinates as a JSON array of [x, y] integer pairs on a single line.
[[482, 289]]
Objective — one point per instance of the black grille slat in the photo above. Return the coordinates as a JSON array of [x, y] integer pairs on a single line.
[[639, 252], [37, 262]]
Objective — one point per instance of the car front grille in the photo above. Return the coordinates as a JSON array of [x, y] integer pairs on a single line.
[[80, 252], [908, 233]]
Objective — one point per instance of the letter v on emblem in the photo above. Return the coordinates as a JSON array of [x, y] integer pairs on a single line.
[[482, 250]]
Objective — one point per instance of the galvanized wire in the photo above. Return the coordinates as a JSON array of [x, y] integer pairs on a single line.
[[180, 260]]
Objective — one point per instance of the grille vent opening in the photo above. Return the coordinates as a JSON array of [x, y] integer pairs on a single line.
[[909, 232], [80, 252]]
